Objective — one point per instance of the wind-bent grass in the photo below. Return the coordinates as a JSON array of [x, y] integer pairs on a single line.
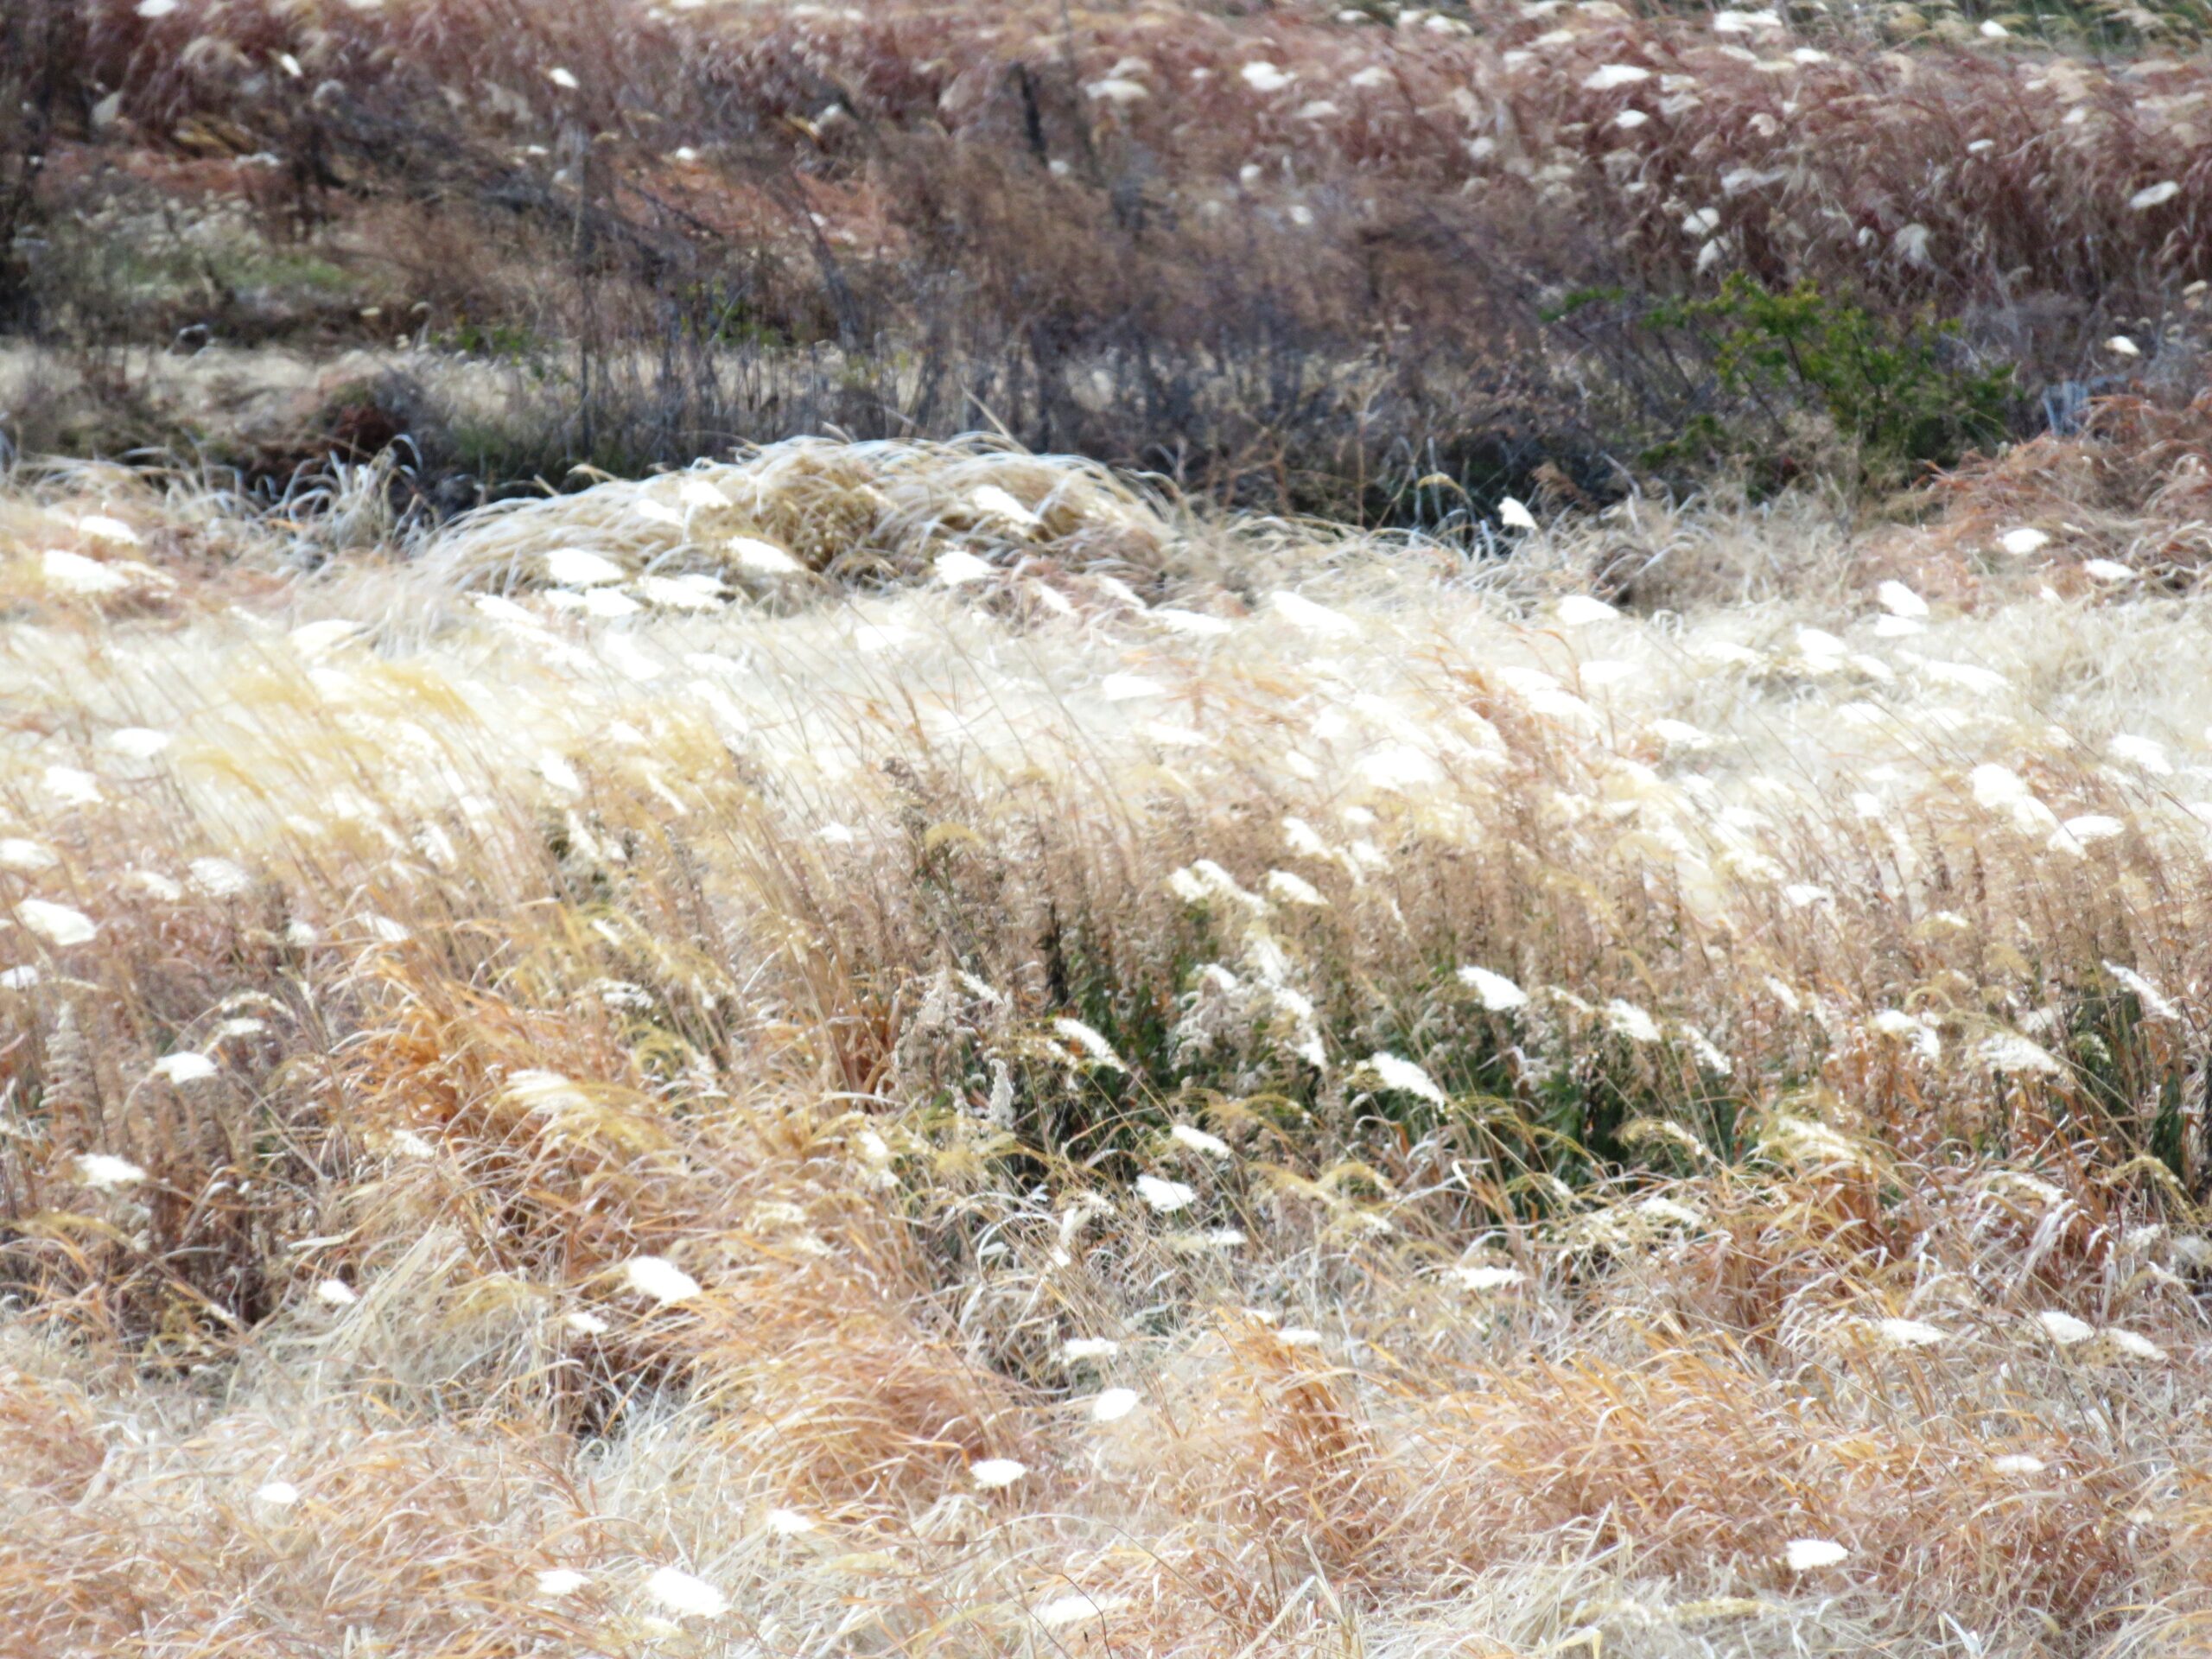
[[900, 1049]]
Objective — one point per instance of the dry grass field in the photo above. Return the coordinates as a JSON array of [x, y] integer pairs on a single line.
[[1494, 939], [904, 1049]]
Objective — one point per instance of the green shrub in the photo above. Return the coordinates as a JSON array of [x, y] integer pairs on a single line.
[[1897, 393]]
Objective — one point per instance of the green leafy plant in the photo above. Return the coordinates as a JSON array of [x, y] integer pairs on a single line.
[[1897, 393]]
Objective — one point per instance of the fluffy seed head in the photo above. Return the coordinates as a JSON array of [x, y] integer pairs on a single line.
[[686, 1596], [1499, 994], [58, 924], [185, 1067], [1076, 1608], [1113, 1405], [2063, 1329], [1806, 1554], [1199, 1141], [103, 1171], [1165, 1196], [1405, 1077], [658, 1277], [1910, 1333]]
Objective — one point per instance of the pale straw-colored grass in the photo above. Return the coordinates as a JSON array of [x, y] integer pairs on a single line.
[[912, 1110]]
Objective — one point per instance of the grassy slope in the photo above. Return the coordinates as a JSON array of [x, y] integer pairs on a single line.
[[525, 946], [1300, 259]]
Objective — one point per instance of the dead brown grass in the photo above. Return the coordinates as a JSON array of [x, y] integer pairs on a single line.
[[1316, 289]]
